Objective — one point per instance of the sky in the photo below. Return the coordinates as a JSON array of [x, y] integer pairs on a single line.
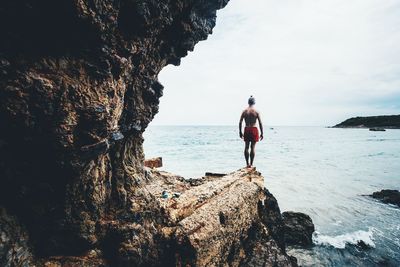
[[307, 63]]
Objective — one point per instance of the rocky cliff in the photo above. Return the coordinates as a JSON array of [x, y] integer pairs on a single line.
[[78, 87]]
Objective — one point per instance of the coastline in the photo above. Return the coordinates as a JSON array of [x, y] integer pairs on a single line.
[[364, 127], [383, 121], [318, 171]]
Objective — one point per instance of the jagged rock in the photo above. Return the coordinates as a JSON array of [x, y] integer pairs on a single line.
[[298, 228], [78, 87], [272, 218], [73, 74], [221, 221], [388, 196], [14, 247]]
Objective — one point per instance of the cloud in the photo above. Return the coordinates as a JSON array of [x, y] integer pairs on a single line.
[[308, 62]]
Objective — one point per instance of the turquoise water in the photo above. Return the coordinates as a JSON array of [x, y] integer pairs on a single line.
[[319, 171]]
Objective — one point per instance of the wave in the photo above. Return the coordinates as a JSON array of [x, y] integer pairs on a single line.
[[340, 241]]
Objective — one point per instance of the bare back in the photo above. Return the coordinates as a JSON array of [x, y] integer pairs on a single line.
[[250, 116], [250, 136]]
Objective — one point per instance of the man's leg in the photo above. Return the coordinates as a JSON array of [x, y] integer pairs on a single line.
[[252, 152], [246, 153]]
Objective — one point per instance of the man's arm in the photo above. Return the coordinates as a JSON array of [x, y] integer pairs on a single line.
[[261, 126], [240, 125]]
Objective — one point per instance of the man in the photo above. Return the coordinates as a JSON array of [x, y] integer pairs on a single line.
[[250, 136]]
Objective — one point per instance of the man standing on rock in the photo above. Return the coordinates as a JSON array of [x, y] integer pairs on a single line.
[[250, 137]]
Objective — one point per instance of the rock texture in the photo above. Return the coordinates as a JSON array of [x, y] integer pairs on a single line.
[[230, 220], [78, 87], [14, 248], [388, 196], [298, 228]]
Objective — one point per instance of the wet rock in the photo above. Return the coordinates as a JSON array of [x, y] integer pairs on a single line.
[[262, 250], [388, 196], [362, 245], [298, 228]]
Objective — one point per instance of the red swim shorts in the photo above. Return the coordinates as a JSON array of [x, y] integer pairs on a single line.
[[251, 134]]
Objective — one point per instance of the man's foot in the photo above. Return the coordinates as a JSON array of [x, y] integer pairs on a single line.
[[249, 166]]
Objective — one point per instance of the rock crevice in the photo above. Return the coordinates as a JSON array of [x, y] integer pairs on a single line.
[[78, 87]]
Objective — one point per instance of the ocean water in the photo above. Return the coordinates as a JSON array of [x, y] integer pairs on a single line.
[[322, 172]]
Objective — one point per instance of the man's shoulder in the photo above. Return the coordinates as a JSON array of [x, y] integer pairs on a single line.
[[253, 110], [250, 111]]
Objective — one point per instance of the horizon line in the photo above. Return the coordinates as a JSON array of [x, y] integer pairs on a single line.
[[231, 125]]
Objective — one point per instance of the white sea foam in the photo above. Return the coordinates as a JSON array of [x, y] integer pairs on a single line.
[[340, 241]]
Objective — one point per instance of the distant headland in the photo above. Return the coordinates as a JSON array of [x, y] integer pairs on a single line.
[[387, 121]]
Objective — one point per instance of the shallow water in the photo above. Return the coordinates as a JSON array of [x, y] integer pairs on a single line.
[[319, 171]]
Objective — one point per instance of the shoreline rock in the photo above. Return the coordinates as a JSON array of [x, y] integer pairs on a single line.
[[387, 196], [221, 220], [298, 228]]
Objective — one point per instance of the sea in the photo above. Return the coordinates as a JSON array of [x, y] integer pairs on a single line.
[[323, 172]]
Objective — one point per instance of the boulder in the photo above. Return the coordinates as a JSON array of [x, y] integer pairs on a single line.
[[221, 221], [388, 196], [298, 228]]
